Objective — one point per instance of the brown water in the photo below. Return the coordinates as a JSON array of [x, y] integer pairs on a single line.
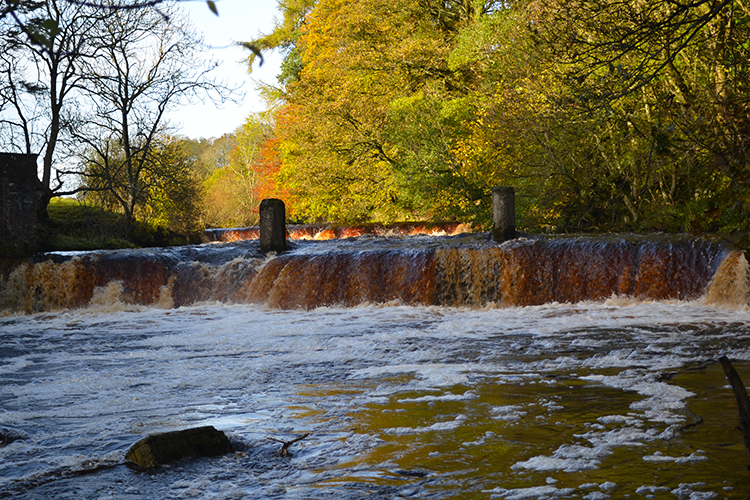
[[467, 270]]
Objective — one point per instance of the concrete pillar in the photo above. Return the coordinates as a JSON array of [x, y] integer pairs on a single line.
[[503, 213], [272, 225]]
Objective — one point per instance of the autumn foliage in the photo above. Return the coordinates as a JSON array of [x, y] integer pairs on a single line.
[[604, 115], [266, 168]]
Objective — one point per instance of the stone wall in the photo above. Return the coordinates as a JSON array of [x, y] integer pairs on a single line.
[[19, 188]]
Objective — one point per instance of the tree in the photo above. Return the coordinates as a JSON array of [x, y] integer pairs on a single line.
[[678, 72], [227, 198], [174, 190], [243, 174], [145, 66], [43, 47], [374, 111], [284, 37], [41, 81], [348, 62], [579, 106], [41, 29], [266, 167], [169, 188], [605, 115]]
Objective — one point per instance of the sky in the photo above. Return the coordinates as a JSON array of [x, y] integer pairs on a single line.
[[238, 20]]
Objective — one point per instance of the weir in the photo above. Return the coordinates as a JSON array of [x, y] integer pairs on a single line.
[[335, 232], [466, 270]]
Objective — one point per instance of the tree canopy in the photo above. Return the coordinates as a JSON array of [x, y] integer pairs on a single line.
[[605, 115]]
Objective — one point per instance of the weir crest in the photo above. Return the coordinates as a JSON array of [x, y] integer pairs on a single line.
[[466, 270]]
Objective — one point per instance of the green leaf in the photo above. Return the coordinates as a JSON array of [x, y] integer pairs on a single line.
[[212, 6], [51, 27]]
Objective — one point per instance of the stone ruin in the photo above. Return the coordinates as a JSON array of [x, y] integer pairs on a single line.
[[19, 192]]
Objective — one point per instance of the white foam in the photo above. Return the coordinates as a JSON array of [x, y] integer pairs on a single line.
[[608, 486], [82, 378], [660, 457], [686, 491], [466, 396], [552, 405], [650, 490], [663, 399], [530, 493], [620, 419], [621, 436], [595, 495], [436, 427], [510, 413], [430, 374], [605, 489], [567, 458], [481, 441]]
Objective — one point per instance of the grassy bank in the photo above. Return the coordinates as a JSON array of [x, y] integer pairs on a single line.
[[73, 225]]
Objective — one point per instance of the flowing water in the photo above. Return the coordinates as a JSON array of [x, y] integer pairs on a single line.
[[510, 372], [331, 232]]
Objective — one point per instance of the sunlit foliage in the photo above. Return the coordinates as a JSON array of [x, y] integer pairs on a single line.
[[237, 171], [604, 115], [167, 192]]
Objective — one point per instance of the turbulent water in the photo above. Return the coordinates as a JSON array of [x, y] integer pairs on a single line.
[[465, 270], [589, 401], [531, 391]]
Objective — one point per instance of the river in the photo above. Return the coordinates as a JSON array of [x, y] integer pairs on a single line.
[[621, 397]]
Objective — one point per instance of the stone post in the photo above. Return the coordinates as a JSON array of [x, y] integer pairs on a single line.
[[503, 213], [272, 225]]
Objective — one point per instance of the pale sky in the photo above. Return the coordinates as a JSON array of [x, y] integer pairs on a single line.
[[238, 20]]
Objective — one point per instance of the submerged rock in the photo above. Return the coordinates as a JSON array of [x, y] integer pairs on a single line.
[[167, 447], [7, 436]]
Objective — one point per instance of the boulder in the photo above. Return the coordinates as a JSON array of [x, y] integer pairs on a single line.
[[167, 447]]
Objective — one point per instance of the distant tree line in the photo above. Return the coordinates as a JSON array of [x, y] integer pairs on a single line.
[[604, 115]]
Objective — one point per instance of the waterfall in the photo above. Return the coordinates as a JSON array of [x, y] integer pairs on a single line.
[[466, 270]]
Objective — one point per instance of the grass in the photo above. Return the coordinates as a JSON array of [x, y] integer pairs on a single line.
[[76, 226], [73, 225]]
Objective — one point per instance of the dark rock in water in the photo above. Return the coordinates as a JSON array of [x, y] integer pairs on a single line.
[[412, 473], [7, 436], [5, 439], [167, 447]]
